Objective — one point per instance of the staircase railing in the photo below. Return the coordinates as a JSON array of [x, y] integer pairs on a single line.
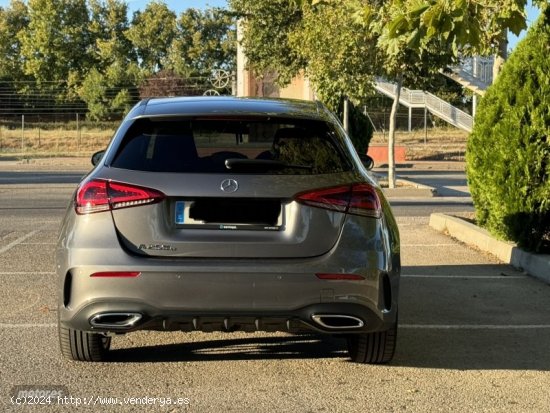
[[448, 112], [435, 105], [478, 67]]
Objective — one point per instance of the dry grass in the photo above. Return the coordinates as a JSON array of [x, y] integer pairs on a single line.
[[437, 144], [58, 142]]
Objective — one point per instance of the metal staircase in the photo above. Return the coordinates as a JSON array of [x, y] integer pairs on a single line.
[[435, 105], [475, 73]]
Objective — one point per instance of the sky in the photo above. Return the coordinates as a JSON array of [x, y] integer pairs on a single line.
[[532, 14], [180, 5]]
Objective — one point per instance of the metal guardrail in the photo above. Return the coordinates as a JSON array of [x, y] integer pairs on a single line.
[[409, 98], [435, 105], [448, 112]]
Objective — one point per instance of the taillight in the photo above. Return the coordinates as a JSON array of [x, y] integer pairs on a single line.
[[357, 199], [364, 201], [100, 195], [92, 197]]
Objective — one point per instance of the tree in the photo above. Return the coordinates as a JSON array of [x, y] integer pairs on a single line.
[[342, 58], [152, 32], [54, 46], [107, 87], [469, 27], [323, 41], [267, 26], [342, 46], [109, 44], [205, 41], [13, 20], [409, 40], [418, 36], [508, 154], [402, 60]]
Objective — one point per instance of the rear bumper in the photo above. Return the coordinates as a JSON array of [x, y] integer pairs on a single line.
[[334, 318], [242, 297]]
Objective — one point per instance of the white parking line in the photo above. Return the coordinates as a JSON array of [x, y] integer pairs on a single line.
[[430, 245], [27, 273], [469, 277], [38, 243], [18, 241], [35, 325], [474, 327]]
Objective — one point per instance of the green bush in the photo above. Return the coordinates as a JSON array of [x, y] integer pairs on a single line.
[[360, 127], [508, 153]]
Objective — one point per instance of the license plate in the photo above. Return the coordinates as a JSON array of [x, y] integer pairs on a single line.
[[180, 212], [183, 219]]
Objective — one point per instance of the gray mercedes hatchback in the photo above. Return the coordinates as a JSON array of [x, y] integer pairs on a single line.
[[228, 214]]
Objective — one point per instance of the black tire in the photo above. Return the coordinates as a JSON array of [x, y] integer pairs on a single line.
[[373, 348], [83, 346]]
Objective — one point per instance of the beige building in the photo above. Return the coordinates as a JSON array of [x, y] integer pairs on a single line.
[[251, 86]]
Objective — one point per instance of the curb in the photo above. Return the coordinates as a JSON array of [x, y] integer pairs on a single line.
[[410, 190], [536, 265]]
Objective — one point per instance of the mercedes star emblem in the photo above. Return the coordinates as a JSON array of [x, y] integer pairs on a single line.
[[229, 185]]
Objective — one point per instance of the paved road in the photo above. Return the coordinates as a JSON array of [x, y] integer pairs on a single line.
[[447, 183], [23, 177], [449, 180], [473, 337]]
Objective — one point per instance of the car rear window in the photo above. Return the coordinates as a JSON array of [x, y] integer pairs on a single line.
[[216, 145]]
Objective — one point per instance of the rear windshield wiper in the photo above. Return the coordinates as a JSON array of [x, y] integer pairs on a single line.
[[261, 164]]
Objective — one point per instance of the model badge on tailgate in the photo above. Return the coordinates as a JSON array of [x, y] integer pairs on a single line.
[[157, 247]]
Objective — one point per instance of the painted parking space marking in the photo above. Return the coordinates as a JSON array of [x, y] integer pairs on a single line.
[[474, 326], [27, 273], [467, 277], [27, 325], [429, 245], [18, 241], [38, 243]]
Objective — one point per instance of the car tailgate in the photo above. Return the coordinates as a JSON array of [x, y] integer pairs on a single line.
[[258, 219]]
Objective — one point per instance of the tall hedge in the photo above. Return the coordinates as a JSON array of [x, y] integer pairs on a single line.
[[508, 153]]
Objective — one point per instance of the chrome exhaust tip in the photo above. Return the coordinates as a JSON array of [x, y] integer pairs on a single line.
[[115, 320], [338, 321]]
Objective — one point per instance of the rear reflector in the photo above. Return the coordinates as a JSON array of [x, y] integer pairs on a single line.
[[100, 195], [337, 276], [357, 199], [126, 274]]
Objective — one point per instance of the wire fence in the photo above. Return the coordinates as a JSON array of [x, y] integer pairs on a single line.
[[64, 135], [64, 128]]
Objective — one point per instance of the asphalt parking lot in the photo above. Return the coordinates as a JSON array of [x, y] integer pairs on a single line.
[[474, 336]]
